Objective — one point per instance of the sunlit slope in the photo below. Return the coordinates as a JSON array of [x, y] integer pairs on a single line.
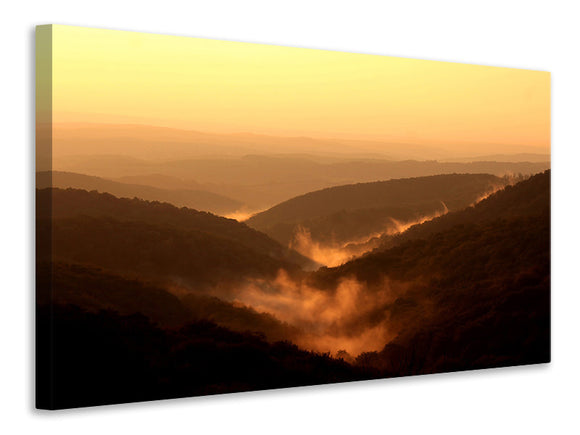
[[196, 199], [346, 213]]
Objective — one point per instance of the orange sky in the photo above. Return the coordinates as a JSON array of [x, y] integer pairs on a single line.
[[189, 83]]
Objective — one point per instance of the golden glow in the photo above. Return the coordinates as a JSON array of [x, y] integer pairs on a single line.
[[325, 319], [333, 255], [110, 76]]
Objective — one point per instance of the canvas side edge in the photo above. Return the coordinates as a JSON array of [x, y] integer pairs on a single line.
[[44, 367]]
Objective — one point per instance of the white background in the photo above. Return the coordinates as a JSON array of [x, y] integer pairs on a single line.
[[527, 34]]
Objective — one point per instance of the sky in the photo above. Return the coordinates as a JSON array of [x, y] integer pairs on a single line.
[[117, 77]]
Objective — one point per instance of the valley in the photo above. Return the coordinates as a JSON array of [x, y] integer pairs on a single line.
[[318, 271]]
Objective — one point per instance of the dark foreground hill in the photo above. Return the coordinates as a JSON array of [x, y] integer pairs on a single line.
[[106, 358], [104, 339], [473, 291], [93, 290], [485, 304], [345, 213]]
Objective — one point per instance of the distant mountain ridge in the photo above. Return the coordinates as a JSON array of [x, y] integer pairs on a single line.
[[261, 181], [195, 199], [155, 142], [519, 157]]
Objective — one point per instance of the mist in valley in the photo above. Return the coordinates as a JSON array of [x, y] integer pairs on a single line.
[[297, 217], [347, 317], [336, 262]]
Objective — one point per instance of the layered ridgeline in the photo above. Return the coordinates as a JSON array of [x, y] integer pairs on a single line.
[[263, 180], [163, 144], [156, 240], [468, 290], [326, 223], [471, 291], [126, 305], [180, 197]]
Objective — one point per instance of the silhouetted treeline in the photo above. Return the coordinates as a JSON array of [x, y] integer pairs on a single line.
[[87, 359]]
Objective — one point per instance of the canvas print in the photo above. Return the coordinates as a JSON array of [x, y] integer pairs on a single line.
[[217, 217]]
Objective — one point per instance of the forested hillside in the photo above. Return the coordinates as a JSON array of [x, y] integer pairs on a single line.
[[79, 204], [343, 214], [174, 292], [530, 197], [476, 287]]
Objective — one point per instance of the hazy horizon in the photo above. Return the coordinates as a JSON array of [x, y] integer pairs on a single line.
[[113, 77], [150, 142]]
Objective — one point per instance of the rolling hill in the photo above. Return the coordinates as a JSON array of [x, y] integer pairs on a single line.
[[341, 214], [155, 239], [530, 197], [92, 289], [468, 290], [107, 358], [261, 181], [107, 339], [471, 290], [190, 198]]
